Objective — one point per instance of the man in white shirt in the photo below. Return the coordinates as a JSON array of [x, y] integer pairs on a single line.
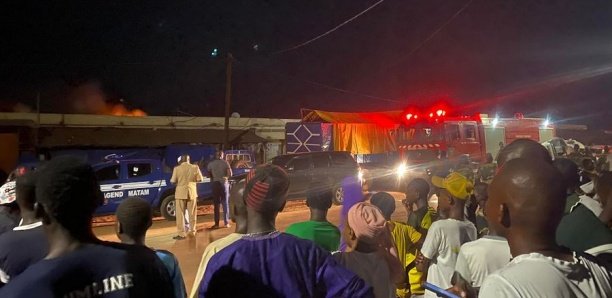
[[478, 259], [525, 206], [445, 237]]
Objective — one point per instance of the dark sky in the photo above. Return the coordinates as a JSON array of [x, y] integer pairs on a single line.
[[529, 56]]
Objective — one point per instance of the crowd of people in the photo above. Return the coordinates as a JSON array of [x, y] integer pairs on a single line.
[[520, 226]]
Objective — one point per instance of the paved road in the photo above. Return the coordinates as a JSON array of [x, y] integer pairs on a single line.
[[189, 251]]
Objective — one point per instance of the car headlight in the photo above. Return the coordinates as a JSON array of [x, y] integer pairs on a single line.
[[401, 170]]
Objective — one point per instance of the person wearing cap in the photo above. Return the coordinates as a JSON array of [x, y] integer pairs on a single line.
[[9, 210], [13, 258], [445, 236], [268, 263]]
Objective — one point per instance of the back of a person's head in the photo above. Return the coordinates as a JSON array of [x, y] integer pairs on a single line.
[[523, 148], [266, 189], [25, 190], [319, 197], [134, 216], [385, 202], [421, 186], [569, 172], [481, 190], [489, 158], [534, 193], [69, 191]]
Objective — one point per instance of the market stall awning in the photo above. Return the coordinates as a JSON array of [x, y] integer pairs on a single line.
[[386, 118]]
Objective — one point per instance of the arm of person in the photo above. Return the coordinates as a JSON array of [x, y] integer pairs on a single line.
[[199, 177], [229, 170], [429, 250]]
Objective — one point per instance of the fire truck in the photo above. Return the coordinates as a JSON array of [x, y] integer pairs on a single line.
[[435, 135], [411, 138]]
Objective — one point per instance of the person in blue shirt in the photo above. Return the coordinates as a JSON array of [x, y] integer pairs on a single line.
[[134, 218]]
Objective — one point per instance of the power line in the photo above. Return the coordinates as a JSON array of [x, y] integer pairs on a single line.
[[433, 34], [328, 31], [333, 88]]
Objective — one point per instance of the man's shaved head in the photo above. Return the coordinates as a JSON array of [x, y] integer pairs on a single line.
[[526, 199], [523, 148]]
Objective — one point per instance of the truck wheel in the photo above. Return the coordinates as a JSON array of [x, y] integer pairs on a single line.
[[338, 195], [168, 208]]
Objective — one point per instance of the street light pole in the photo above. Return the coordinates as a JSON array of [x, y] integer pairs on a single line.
[[228, 98]]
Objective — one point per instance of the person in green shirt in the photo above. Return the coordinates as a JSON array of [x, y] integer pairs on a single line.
[[318, 229]]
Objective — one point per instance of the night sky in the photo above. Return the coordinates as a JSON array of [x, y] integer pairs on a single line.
[[529, 56]]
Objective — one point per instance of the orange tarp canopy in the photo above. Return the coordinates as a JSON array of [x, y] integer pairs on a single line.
[[360, 133]]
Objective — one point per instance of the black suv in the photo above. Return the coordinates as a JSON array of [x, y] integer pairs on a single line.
[[326, 169]]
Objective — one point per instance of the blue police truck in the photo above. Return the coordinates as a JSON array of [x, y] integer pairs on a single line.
[[146, 173]]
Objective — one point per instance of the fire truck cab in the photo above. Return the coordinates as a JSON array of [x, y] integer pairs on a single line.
[[421, 142]]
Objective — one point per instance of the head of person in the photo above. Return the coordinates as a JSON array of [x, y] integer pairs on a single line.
[[25, 194], [184, 158], [489, 158], [365, 227], [481, 194], [576, 148], [239, 209], [385, 202], [453, 191], [417, 190], [523, 148], [588, 165], [319, 197], [526, 201], [265, 192], [219, 154], [606, 149], [134, 218], [569, 173], [67, 194]]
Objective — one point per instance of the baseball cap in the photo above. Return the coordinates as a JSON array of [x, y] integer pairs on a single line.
[[456, 184], [7, 193]]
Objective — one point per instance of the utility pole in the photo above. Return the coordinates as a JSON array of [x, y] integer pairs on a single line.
[[228, 98]]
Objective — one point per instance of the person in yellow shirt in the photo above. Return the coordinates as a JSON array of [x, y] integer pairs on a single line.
[[417, 192], [406, 238]]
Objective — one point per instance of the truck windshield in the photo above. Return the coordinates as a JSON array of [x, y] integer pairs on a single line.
[[420, 134]]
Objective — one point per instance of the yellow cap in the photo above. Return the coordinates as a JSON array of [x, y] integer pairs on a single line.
[[456, 184]]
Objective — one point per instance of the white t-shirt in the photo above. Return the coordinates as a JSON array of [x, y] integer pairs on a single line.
[[536, 275], [478, 259], [372, 268], [441, 246]]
